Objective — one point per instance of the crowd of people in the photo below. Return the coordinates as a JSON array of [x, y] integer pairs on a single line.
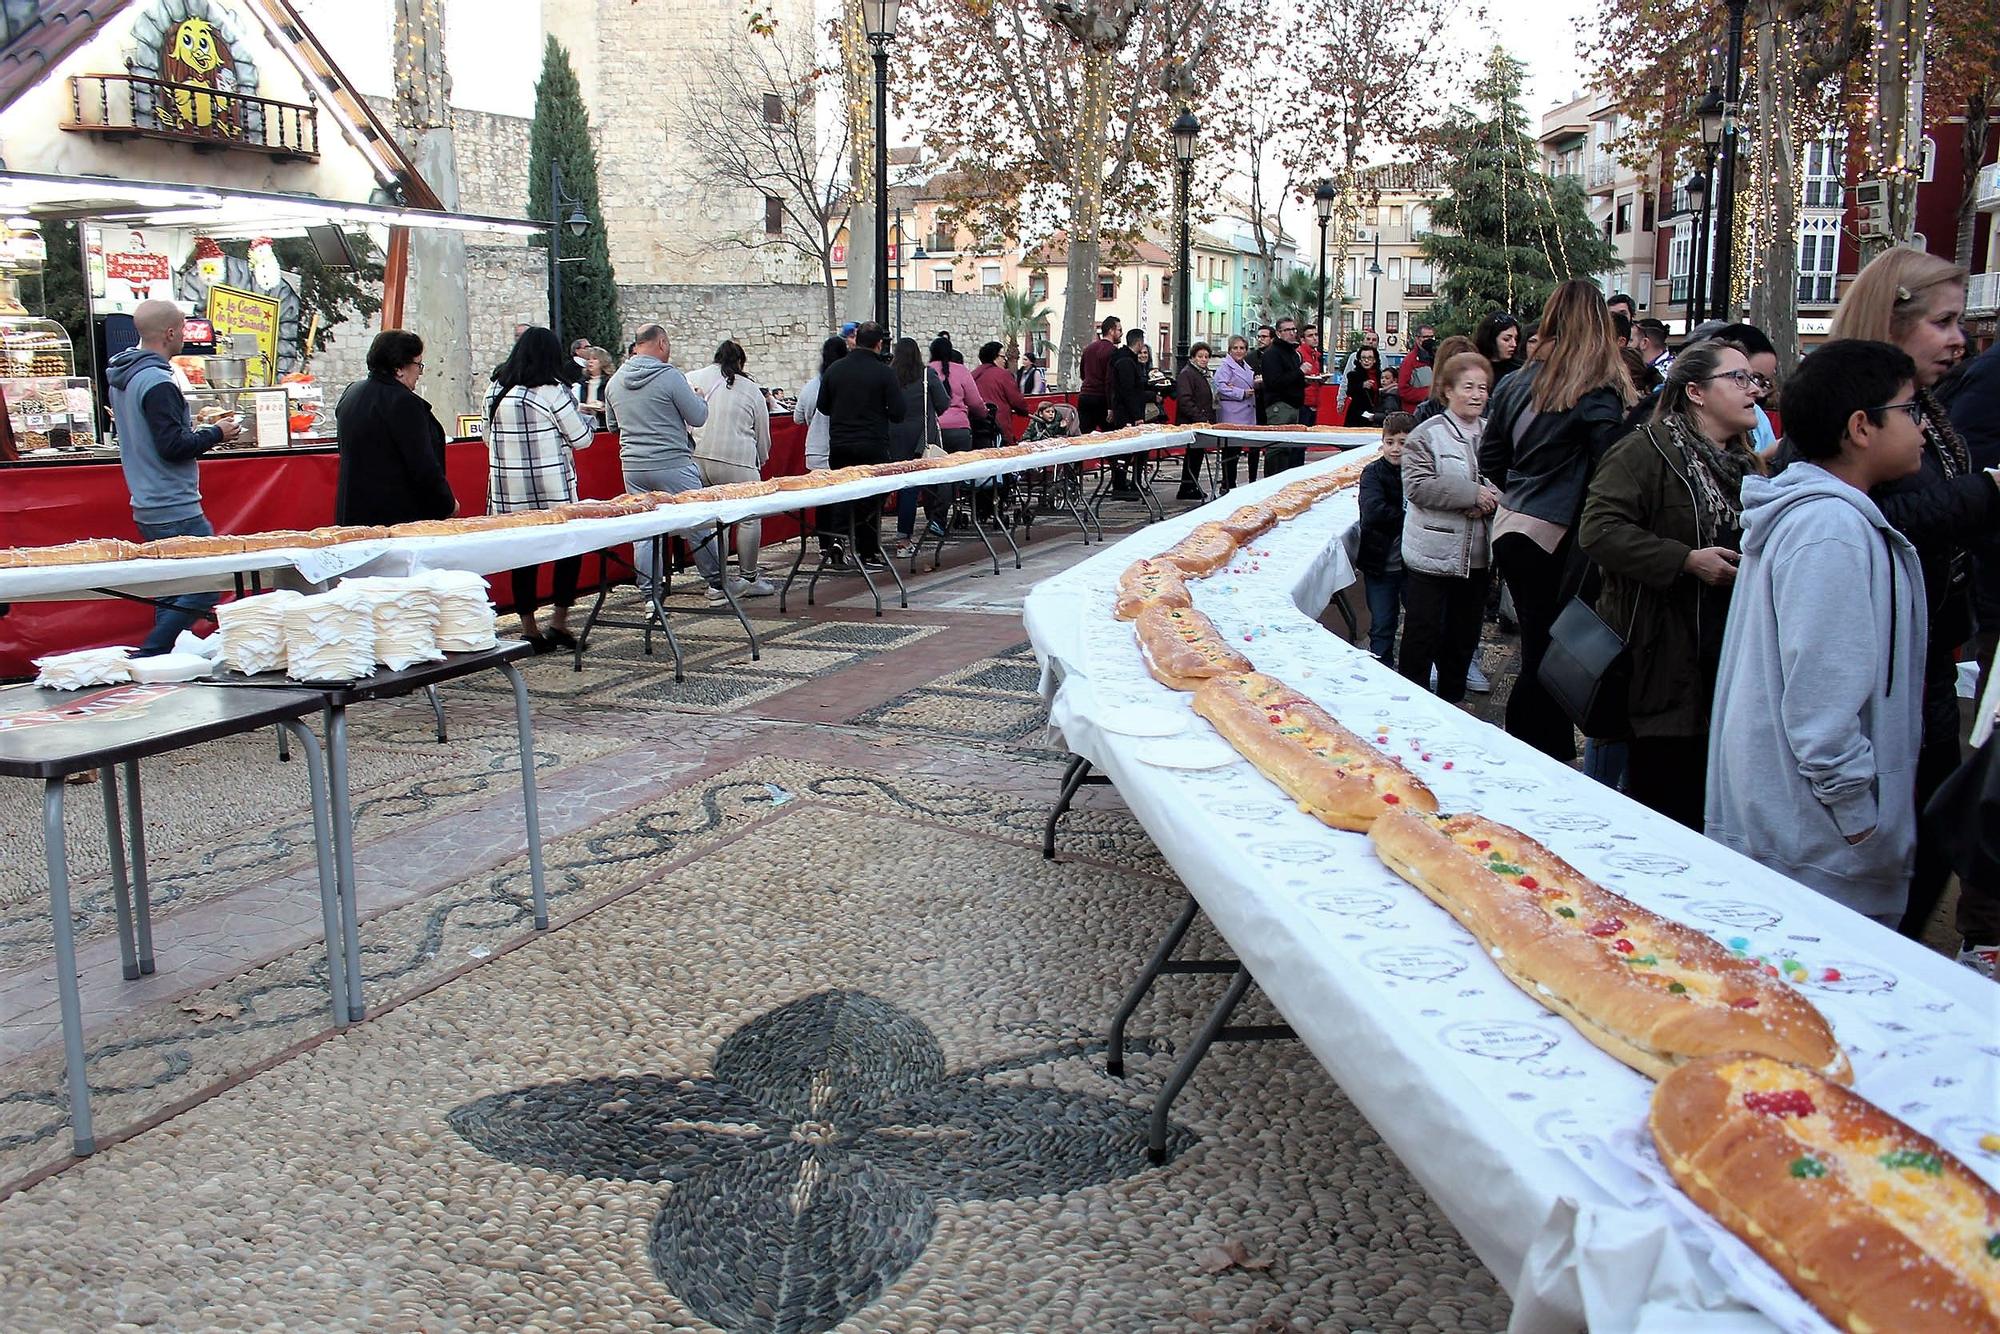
[[1795, 564]]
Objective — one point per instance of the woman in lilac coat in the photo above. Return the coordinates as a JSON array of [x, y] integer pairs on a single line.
[[1236, 405]]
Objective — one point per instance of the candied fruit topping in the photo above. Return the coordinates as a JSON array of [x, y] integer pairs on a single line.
[[1606, 926], [1565, 912], [1808, 1167], [1913, 1160], [1783, 1102], [1745, 1002]]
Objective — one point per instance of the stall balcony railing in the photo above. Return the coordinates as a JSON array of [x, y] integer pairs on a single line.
[[116, 105]]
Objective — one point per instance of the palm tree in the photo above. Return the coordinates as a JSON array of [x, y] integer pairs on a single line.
[[1020, 316], [1296, 294]]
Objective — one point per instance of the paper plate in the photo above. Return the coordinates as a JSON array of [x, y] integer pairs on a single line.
[[1142, 720], [1187, 753]]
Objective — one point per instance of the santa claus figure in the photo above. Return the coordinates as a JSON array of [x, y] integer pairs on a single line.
[[208, 261], [264, 272]]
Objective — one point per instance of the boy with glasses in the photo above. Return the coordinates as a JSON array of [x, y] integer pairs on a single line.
[[1819, 702]]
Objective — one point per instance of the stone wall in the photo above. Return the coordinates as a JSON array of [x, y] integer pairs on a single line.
[[781, 325]]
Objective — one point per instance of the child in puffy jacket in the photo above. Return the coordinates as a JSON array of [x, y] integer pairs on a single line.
[[1380, 555]]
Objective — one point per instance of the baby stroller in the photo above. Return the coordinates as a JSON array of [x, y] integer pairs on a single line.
[[1057, 490]]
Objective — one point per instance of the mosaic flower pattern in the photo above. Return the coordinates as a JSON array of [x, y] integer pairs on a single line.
[[807, 1170]]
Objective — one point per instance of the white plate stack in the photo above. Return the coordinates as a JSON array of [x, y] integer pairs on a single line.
[[464, 616], [85, 667], [330, 637], [253, 631], [405, 612]]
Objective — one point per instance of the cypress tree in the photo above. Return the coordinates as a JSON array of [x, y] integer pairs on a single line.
[[561, 131], [1505, 233]]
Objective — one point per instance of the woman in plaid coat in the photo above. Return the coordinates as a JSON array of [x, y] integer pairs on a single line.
[[533, 430]]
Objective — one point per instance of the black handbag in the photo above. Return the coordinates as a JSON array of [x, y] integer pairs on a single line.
[[1588, 668]]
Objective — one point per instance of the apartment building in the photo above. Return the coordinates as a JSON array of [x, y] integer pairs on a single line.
[[1385, 279], [1982, 298], [1579, 141]]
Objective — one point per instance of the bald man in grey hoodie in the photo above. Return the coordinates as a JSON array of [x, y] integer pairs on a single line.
[[655, 406]]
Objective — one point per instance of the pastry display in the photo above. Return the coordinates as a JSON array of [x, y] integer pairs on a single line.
[[1202, 552], [1148, 582], [1334, 776], [90, 551], [1648, 990], [181, 547], [1182, 648], [1873, 1222], [428, 528], [1249, 521]]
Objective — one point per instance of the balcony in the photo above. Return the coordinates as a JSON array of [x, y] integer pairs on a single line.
[[1986, 190], [1816, 289], [1679, 288], [1419, 289], [1603, 174], [119, 106], [1982, 294]]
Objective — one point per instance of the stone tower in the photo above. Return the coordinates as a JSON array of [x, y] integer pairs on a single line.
[[667, 225]]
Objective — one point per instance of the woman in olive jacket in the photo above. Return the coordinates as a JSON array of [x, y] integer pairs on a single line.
[[1663, 520], [391, 445]]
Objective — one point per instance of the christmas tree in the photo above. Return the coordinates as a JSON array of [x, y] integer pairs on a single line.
[[561, 133], [1505, 233]]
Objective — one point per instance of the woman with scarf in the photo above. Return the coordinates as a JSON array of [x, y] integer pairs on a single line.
[[1663, 520], [1947, 509]]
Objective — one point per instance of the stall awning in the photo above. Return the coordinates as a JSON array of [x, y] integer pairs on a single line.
[[221, 213]]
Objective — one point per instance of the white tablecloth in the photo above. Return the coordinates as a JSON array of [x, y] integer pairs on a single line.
[[512, 548], [1528, 1137]]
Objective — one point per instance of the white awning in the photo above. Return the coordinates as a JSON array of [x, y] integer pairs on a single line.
[[221, 213]]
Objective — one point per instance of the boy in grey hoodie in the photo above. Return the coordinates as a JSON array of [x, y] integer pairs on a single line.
[[1819, 706]]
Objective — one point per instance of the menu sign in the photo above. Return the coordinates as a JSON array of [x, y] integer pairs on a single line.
[[233, 311]]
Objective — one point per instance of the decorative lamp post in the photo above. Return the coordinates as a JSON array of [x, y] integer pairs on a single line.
[[577, 223], [879, 18], [1709, 113], [1375, 288], [1324, 198], [902, 274], [1186, 130], [1720, 303]]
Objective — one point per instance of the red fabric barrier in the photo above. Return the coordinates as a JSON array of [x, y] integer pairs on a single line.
[[248, 493]]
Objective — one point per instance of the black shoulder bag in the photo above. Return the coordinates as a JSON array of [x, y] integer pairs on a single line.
[[1588, 668]]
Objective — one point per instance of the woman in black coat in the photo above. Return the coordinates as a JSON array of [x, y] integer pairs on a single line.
[[1194, 404], [1364, 389], [391, 445]]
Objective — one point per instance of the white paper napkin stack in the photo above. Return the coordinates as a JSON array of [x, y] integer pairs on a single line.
[[85, 667], [465, 618], [330, 637], [253, 631], [406, 617]]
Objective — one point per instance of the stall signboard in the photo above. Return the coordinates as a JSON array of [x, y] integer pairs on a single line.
[[471, 426], [130, 265], [234, 311]]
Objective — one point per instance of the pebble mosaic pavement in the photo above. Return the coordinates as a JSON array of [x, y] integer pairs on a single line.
[[815, 1042]]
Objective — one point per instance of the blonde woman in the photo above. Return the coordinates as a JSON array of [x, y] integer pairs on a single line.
[[1549, 424], [1947, 509], [734, 446]]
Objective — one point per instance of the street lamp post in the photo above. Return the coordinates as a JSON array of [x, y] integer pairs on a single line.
[[1375, 289], [1697, 188], [1712, 120], [902, 274], [879, 16], [1325, 196], [577, 223], [1721, 302], [1186, 130]]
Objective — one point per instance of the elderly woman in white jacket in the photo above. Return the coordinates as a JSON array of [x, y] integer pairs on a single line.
[[734, 445]]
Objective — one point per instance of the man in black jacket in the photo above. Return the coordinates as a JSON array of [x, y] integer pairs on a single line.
[[861, 400], [1128, 392], [391, 445], [1284, 394]]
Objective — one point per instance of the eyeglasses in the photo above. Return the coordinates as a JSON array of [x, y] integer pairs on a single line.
[[1913, 408], [1744, 380], [1764, 382]]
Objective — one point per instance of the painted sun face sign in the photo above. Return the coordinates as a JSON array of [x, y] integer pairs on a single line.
[[196, 55]]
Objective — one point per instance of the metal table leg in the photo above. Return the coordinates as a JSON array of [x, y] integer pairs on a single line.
[[654, 595], [1074, 777], [142, 897], [1211, 1030], [729, 594], [437, 707], [121, 898], [524, 725], [343, 857], [331, 918], [1161, 962], [82, 1140]]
